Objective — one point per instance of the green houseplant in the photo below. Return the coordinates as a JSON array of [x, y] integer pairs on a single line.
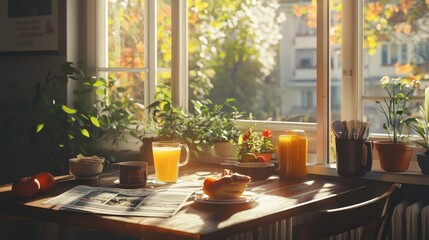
[[99, 111], [169, 122], [395, 154], [224, 122], [203, 126], [421, 127], [224, 129]]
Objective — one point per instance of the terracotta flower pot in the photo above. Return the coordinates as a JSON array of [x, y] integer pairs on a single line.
[[423, 160], [267, 156], [393, 157]]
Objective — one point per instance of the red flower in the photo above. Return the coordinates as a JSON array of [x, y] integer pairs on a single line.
[[267, 133], [246, 136]]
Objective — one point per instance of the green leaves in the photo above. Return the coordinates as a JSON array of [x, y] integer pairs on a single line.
[[199, 128], [69, 129], [421, 126], [68, 110], [39, 127], [85, 133], [95, 121]]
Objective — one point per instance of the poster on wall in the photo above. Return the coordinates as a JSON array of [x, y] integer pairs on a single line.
[[28, 25]]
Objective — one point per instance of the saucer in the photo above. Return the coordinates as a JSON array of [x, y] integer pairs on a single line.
[[86, 178], [128, 185]]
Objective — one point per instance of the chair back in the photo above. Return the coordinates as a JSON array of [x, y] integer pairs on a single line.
[[371, 214]]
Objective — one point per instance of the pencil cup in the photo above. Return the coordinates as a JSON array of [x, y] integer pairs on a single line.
[[354, 157]]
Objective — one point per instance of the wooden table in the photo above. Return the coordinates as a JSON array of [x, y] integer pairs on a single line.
[[277, 200]]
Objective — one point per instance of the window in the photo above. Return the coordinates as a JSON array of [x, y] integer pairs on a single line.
[[263, 53], [392, 54], [384, 55], [307, 99], [421, 53], [132, 39], [404, 53], [305, 58], [398, 43], [236, 55], [235, 50]]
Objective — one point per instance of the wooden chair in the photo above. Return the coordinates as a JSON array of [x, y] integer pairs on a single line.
[[371, 214]]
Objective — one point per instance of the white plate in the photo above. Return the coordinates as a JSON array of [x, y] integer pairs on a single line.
[[246, 197]]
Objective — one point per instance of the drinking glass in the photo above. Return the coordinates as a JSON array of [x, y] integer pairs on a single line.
[[166, 158]]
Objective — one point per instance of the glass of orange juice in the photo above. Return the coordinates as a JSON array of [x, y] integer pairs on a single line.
[[166, 158], [293, 154]]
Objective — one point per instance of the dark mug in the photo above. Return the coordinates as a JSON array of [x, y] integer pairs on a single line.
[[354, 157], [131, 173]]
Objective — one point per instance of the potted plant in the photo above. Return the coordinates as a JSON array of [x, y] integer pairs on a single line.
[[254, 146], [66, 130], [173, 123], [421, 127], [224, 130], [395, 155]]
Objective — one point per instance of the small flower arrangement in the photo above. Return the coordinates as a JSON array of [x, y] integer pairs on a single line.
[[394, 107], [253, 142]]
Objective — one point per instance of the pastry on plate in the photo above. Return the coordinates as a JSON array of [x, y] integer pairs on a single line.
[[229, 186]]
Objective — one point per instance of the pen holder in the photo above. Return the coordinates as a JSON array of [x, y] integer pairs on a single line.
[[354, 157]]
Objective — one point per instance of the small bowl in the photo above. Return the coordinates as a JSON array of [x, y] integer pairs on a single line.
[[256, 170], [86, 168]]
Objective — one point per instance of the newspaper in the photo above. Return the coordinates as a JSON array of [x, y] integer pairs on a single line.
[[125, 202]]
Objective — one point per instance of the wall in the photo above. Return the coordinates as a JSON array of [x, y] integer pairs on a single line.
[[19, 74]]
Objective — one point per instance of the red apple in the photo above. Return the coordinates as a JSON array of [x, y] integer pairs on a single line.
[[25, 187], [46, 180]]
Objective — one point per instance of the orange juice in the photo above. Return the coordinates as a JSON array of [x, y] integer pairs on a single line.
[[166, 161], [293, 154]]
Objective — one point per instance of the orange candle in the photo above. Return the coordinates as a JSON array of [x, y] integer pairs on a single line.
[[293, 154]]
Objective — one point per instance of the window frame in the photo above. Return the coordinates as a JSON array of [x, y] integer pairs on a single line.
[[319, 132], [179, 67]]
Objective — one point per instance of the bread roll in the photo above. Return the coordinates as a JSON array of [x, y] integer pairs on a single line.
[[229, 186]]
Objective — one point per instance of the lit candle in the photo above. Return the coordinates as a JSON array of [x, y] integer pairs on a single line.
[[293, 156]]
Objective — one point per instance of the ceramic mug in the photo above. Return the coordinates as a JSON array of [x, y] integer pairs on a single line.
[[131, 173], [354, 157]]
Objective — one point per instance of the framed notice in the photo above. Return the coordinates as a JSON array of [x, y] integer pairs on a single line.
[[28, 25]]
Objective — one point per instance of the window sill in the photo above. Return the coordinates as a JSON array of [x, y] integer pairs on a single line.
[[408, 177]]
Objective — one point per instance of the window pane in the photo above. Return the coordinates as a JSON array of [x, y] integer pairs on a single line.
[[306, 58], [164, 33], [126, 33], [128, 43], [125, 86], [133, 82], [164, 57], [261, 53], [163, 78], [393, 33], [336, 67]]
